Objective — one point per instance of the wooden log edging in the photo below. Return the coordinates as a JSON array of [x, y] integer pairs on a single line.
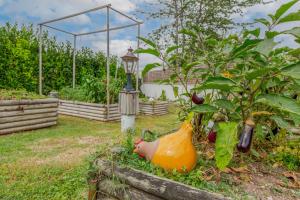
[[92, 111], [24, 115], [152, 187], [154, 108]]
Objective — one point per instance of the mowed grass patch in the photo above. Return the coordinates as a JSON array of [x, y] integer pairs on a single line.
[[52, 163]]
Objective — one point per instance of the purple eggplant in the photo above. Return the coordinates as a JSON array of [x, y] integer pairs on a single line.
[[197, 100], [212, 136], [246, 136]]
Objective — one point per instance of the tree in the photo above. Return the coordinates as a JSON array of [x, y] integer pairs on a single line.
[[212, 16]]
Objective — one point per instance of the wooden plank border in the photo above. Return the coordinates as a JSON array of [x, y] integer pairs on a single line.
[[23, 115], [89, 110], [148, 184], [153, 108]]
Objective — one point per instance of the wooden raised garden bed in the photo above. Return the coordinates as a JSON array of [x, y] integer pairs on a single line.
[[116, 182], [23, 115], [154, 108], [89, 110]]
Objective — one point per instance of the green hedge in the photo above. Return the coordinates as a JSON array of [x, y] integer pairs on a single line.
[[19, 61]]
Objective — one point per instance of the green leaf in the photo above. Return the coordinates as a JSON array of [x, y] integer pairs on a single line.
[[225, 143], [172, 48], [250, 75], [294, 31], [271, 34], [265, 47], [295, 118], [219, 82], [295, 53], [148, 51], [188, 32], [149, 42], [254, 32], [149, 67], [292, 71], [204, 108], [290, 17], [224, 103], [247, 44], [263, 21], [280, 122], [280, 102], [259, 134], [175, 90], [285, 7], [189, 66]]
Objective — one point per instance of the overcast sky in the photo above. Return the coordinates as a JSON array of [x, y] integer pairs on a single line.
[[35, 11]]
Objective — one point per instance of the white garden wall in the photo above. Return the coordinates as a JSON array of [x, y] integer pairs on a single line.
[[154, 90]]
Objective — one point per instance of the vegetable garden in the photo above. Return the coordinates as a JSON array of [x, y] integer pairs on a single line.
[[240, 123]]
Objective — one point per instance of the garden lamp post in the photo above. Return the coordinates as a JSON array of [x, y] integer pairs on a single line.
[[130, 62], [128, 97]]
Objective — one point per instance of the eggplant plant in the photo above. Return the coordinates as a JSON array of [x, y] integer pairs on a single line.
[[250, 85]]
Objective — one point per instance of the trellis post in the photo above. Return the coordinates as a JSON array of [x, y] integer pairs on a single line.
[[138, 55], [74, 62], [107, 61], [40, 60]]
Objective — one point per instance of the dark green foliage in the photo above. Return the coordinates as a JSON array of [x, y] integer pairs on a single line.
[[93, 90], [19, 61]]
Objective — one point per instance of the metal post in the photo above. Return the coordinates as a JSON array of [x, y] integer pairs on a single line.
[[40, 60], [138, 62], [74, 61], [107, 61]]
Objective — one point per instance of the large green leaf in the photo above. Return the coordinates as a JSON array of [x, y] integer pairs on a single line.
[[172, 48], [280, 102], [149, 42], [188, 32], [149, 67], [204, 108], [250, 75], [176, 91], [254, 32], [265, 47], [272, 34], [294, 31], [247, 44], [148, 51], [219, 82], [282, 9], [189, 66], [290, 17], [292, 71], [280, 122], [224, 103], [225, 143], [263, 21]]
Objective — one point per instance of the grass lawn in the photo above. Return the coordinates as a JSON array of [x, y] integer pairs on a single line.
[[52, 163]]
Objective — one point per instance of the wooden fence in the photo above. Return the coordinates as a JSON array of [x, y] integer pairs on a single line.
[[89, 110], [154, 108], [115, 182], [23, 115]]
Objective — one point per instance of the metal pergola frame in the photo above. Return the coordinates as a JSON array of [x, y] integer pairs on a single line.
[[107, 30]]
